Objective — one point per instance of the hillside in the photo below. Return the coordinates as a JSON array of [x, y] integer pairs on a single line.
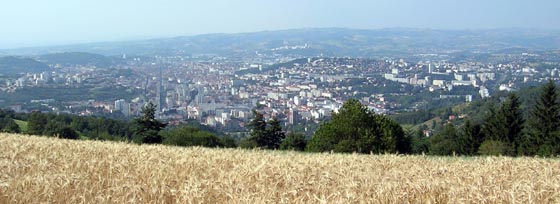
[[47, 170], [13, 65], [79, 58], [326, 41]]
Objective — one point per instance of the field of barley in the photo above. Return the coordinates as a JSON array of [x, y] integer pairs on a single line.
[[49, 170]]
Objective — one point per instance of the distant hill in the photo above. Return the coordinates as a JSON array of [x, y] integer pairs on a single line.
[[323, 41], [79, 58], [14, 65]]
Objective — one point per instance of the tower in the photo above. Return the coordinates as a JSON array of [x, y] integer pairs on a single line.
[[430, 68], [161, 92], [293, 116]]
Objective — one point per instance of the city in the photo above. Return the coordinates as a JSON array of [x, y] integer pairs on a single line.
[[301, 92], [250, 101]]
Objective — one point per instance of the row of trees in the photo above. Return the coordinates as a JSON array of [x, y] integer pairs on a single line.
[[71, 127], [353, 129], [7, 124], [264, 135], [505, 130], [143, 130]]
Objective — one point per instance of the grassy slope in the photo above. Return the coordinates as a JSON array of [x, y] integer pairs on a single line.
[[39, 169], [22, 125]]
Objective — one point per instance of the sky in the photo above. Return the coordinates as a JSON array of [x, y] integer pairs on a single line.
[[28, 23]]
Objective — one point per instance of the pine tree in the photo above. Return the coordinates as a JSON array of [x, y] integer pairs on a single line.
[[274, 134], [513, 121], [258, 134], [493, 127], [147, 127], [470, 138], [294, 141], [444, 142], [36, 123], [545, 122]]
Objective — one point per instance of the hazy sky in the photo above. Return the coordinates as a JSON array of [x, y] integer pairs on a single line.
[[51, 22]]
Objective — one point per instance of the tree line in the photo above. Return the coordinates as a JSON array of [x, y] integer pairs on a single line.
[[142, 130], [503, 130], [354, 128]]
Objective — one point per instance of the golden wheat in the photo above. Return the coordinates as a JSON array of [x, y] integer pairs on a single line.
[[48, 170]]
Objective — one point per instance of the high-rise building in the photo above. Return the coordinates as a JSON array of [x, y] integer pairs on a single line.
[[293, 116], [122, 106], [161, 92], [199, 98]]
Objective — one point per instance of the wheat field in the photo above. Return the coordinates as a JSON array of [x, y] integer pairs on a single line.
[[49, 170]]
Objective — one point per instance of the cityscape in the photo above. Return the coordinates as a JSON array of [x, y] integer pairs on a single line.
[[300, 91], [249, 101]]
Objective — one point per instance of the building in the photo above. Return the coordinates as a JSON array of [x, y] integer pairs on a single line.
[[122, 106], [293, 116]]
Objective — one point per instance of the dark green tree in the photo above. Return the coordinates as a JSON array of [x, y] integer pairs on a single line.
[[258, 135], [52, 128], [495, 148], [60, 130], [513, 121], [356, 129], [9, 125], [67, 133], [393, 135], [191, 136], [505, 124], [36, 123], [294, 141], [470, 138], [445, 142], [147, 127], [420, 144], [274, 134], [493, 126], [544, 133]]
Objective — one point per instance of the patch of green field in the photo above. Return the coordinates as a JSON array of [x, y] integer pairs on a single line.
[[22, 125]]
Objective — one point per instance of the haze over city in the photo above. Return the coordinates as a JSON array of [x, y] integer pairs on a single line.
[[29, 23], [289, 101]]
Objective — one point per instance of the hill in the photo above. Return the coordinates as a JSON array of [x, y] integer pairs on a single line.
[[10, 65], [337, 42], [48, 170], [79, 58]]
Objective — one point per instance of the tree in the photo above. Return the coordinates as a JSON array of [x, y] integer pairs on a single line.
[[493, 126], [393, 135], [67, 133], [147, 127], [470, 138], [191, 136], [418, 141], [52, 128], [274, 134], [513, 121], [495, 148], [9, 125], [505, 124], [544, 134], [258, 135], [36, 123], [294, 141], [444, 142], [356, 129], [263, 135]]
